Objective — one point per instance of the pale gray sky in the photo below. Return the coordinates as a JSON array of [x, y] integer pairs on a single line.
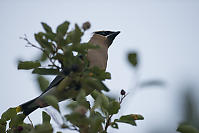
[[164, 32]]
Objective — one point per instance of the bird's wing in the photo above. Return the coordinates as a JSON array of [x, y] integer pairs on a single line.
[[58, 79], [54, 83]]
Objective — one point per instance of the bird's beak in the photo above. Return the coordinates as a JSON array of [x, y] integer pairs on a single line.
[[111, 37]]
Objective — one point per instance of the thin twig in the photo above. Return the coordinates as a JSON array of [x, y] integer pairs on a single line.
[[42, 49], [30, 121], [108, 122], [120, 100], [110, 116]]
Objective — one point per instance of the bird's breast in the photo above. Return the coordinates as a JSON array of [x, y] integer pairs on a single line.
[[98, 58]]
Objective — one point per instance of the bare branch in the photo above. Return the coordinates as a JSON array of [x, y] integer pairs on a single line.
[[42, 49]]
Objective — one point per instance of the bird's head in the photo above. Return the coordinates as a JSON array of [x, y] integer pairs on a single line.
[[109, 36]]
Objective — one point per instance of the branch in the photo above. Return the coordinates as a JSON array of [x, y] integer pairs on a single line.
[[123, 93], [42, 49]]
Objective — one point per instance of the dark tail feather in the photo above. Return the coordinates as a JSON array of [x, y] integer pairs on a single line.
[[29, 107]]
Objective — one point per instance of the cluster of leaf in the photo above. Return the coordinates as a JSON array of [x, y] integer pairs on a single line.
[[66, 56], [187, 128]]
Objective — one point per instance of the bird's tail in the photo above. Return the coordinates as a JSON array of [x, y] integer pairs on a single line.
[[27, 107]]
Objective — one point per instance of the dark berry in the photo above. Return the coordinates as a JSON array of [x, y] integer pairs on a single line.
[[122, 92]]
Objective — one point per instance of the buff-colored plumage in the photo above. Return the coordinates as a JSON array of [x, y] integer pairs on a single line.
[[98, 57]]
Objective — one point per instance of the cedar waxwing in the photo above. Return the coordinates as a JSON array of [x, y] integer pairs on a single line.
[[96, 57]]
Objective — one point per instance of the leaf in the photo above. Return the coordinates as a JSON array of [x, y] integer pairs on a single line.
[[45, 117], [16, 120], [130, 119], [45, 71], [46, 27], [102, 101], [10, 113], [44, 128], [3, 128], [94, 83], [113, 107], [132, 57], [28, 64], [62, 28], [96, 122], [95, 94], [3, 121], [83, 48], [25, 128], [77, 34], [74, 36], [43, 41], [43, 57], [43, 82], [52, 100], [185, 128], [151, 83], [77, 119], [99, 73], [137, 117], [73, 105], [3, 124], [81, 99]]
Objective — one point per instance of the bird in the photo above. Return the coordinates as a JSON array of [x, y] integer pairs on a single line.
[[96, 57]]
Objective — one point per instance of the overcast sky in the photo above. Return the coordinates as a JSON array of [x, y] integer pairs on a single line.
[[164, 32]]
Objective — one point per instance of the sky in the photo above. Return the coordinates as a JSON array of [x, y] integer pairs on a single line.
[[165, 33]]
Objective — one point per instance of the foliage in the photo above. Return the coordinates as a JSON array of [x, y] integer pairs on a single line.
[[186, 128], [65, 55]]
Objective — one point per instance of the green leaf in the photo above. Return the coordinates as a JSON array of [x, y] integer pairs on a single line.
[[113, 107], [28, 64], [77, 119], [126, 119], [83, 48], [46, 27], [102, 101], [3, 124], [132, 57], [43, 82], [44, 128], [17, 120], [95, 94], [99, 73], [96, 122], [81, 99], [152, 83], [62, 28], [73, 105], [3, 121], [25, 128], [10, 113], [45, 117], [74, 36], [130, 119], [52, 100], [43, 57], [43, 41], [185, 128], [94, 83], [3, 128], [45, 71]]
